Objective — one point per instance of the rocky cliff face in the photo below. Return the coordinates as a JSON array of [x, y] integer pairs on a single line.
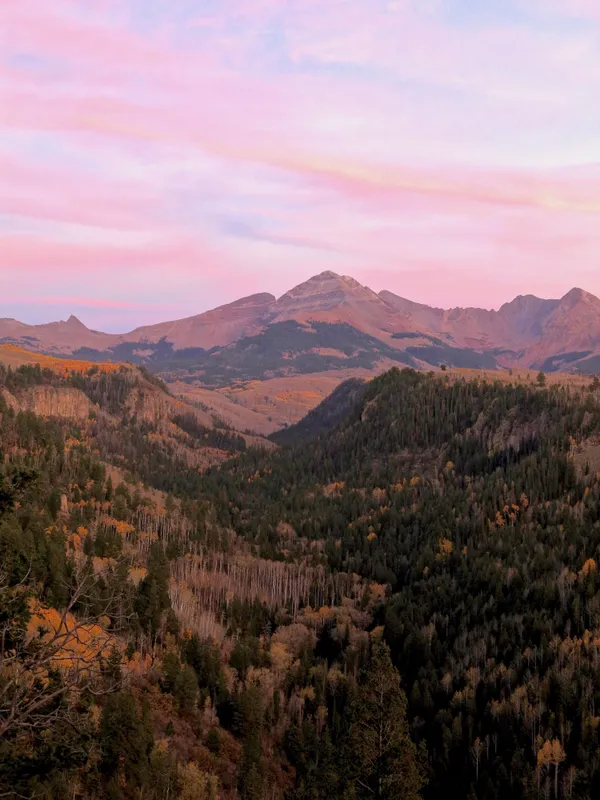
[[572, 325], [10, 400], [157, 408], [50, 401]]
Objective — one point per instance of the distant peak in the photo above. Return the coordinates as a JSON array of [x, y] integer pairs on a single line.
[[324, 292], [579, 299], [327, 274], [522, 301], [327, 281], [577, 295], [73, 322], [526, 298]]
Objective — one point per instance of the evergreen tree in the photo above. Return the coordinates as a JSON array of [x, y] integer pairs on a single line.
[[186, 689], [126, 740], [153, 593], [250, 721], [383, 756]]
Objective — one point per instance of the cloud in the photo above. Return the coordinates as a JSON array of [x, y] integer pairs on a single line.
[[586, 10], [90, 302], [356, 135], [51, 193], [34, 256]]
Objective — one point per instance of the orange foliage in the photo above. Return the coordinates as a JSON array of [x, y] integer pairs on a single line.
[[445, 548], [589, 566], [123, 528], [76, 644], [61, 366], [79, 645], [333, 489], [137, 574]]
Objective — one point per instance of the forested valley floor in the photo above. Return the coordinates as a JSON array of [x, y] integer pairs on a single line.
[[399, 600]]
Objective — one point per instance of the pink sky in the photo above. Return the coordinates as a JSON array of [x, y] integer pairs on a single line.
[[156, 162]]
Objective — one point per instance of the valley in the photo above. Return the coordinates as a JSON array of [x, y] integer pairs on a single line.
[[238, 593], [299, 400]]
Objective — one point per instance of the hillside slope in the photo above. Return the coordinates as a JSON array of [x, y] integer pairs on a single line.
[[473, 502], [326, 416], [236, 622], [147, 651], [117, 405]]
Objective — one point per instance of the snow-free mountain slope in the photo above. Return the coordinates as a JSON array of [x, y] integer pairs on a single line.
[[333, 322]]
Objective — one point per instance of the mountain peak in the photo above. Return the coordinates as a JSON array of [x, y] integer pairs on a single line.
[[326, 274], [325, 283], [324, 292], [74, 322], [577, 296], [523, 299], [524, 304], [332, 298]]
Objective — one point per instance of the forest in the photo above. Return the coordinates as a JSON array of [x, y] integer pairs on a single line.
[[399, 600]]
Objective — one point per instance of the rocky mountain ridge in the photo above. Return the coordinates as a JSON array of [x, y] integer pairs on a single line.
[[528, 332]]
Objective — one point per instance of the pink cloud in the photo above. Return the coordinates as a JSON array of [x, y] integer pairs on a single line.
[[344, 167], [90, 302], [126, 120], [37, 256], [48, 192]]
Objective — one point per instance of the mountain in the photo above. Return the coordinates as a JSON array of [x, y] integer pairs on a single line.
[[330, 325], [216, 328], [57, 337], [513, 325], [336, 299], [569, 334], [463, 326]]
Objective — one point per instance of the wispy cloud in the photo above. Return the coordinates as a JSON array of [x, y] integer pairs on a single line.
[[90, 302], [383, 138]]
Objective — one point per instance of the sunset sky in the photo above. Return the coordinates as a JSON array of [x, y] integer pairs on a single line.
[[161, 157]]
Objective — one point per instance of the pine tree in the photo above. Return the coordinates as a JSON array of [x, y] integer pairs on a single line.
[[186, 689], [126, 739], [250, 721], [153, 593], [383, 755]]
